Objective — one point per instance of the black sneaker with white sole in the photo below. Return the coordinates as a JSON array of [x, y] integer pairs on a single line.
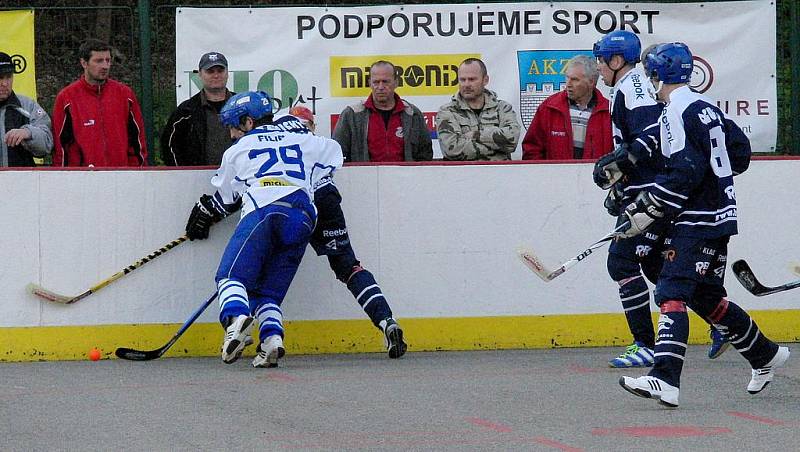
[[393, 338]]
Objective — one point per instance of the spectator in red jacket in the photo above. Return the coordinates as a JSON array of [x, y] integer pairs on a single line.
[[97, 121], [574, 123]]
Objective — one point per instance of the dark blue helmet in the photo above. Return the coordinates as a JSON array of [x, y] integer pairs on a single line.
[[619, 42], [671, 63], [255, 104]]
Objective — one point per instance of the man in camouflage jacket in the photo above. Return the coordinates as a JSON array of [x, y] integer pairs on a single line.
[[475, 124]]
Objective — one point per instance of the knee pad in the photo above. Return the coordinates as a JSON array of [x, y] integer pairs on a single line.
[[713, 311], [620, 268], [672, 306], [344, 266]]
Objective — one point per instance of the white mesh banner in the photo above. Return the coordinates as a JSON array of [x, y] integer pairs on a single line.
[[320, 56]]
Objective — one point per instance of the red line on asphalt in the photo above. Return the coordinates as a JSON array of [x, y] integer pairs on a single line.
[[490, 425], [752, 417]]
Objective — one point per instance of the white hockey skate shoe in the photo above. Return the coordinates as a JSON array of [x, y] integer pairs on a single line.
[[762, 377], [269, 352], [652, 388], [236, 338], [393, 338]]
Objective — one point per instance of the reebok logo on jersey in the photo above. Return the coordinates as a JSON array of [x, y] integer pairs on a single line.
[[701, 267], [334, 233], [331, 245], [637, 86], [89, 122], [556, 133], [643, 250]]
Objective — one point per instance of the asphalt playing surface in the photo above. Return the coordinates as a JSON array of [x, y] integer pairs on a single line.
[[564, 399]]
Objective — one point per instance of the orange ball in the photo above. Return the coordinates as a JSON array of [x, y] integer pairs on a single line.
[[94, 354]]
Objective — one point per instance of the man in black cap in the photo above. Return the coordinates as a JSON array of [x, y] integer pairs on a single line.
[[194, 135], [24, 125]]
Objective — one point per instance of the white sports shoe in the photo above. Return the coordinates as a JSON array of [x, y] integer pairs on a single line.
[[236, 338], [269, 352], [652, 388], [762, 377]]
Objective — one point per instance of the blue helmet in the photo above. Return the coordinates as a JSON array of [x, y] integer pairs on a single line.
[[255, 104], [619, 42], [671, 63]]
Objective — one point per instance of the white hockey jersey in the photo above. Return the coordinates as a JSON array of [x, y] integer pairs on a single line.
[[272, 161]]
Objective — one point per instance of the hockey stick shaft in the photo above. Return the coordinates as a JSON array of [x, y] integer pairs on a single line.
[[147, 355], [533, 262], [52, 296], [748, 279]]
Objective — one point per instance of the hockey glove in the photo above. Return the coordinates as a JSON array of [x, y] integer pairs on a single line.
[[611, 167], [613, 202], [204, 215], [642, 212]]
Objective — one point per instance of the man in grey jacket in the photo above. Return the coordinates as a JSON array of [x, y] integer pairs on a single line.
[[24, 125], [384, 128]]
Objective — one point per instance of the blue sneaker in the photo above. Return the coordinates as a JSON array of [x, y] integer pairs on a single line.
[[718, 344], [636, 355]]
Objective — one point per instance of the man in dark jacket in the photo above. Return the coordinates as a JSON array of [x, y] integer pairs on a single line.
[[24, 125], [194, 135], [384, 128], [574, 123]]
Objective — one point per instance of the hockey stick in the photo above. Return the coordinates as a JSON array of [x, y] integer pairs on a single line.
[[147, 355], [49, 295], [748, 279], [536, 265]]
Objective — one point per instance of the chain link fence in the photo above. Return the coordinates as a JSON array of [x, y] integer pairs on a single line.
[[61, 27]]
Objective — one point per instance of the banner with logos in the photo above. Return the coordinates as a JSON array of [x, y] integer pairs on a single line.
[[320, 57], [17, 41]]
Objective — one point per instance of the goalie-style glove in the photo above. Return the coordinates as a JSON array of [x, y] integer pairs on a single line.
[[642, 213], [610, 168], [204, 215]]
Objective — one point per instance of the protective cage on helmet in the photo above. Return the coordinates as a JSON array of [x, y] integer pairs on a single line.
[[255, 104], [672, 63], [619, 42]]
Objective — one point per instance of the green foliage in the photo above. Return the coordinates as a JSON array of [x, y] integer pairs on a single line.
[[61, 25]]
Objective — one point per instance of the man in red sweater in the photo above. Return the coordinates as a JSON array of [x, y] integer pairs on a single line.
[[97, 121], [574, 123]]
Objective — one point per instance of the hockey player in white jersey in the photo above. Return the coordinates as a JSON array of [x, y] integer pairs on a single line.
[[695, 191], [270, 172]]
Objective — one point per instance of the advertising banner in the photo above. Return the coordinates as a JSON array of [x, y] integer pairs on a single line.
[[17, 41], [320, 57]]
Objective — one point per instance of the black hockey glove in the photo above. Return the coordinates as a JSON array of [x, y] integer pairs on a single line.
[[203, 216], [613, 202], [642, 213], [611, 167]]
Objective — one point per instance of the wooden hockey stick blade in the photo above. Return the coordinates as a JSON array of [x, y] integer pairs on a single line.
[[534, 264], [49, 295]]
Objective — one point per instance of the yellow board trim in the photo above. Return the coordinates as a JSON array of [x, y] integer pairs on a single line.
[[359, 336]]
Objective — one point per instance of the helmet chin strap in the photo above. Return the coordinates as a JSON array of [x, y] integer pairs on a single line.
[[657, 85], [616, 71]]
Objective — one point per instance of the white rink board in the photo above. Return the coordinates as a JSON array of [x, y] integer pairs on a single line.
[[441, 241]]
